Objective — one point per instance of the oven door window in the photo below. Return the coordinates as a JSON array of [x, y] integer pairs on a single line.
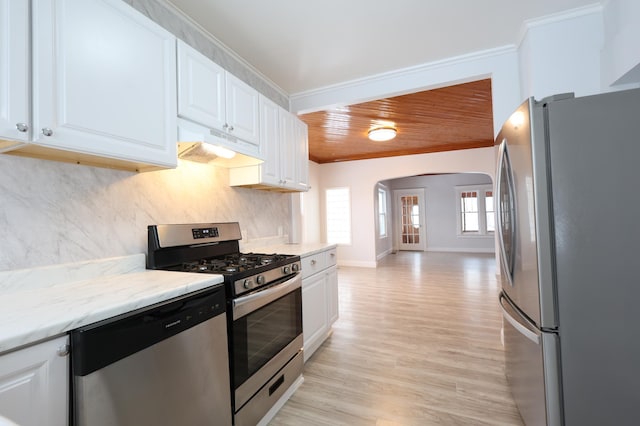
[[263, 333]]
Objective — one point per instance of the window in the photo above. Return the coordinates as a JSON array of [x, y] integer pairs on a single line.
[[338, 205], [489, 210], [475, 210], [382, 212], [469, 211]]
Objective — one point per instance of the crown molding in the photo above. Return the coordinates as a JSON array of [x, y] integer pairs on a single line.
[[557, 17]]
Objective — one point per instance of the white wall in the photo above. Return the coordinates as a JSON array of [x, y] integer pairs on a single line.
[[362, 177], [441, 211], [311, 207], [588, 51], [562, 54], [621, 52]]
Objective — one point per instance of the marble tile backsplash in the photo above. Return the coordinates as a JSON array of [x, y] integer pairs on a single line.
[[55, 212]]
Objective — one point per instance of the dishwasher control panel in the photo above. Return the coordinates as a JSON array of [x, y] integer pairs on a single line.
[[98, 345]]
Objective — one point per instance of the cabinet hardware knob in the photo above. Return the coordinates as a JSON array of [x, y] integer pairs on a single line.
[[22, 127], [47, 131], [313, 262], [231, 128], [63, 350], [225, 126]]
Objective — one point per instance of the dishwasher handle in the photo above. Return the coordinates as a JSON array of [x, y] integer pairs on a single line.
[[106, 342]]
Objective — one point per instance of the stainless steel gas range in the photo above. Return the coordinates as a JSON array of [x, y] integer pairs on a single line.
[[264, 308]]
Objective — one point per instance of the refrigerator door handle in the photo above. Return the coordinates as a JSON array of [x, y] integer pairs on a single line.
[[523, 325], [503, 177]]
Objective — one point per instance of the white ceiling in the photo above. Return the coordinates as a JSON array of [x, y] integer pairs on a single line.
[[307, 44]]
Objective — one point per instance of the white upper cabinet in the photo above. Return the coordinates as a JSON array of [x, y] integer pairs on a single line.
[[201, 88], [90, 81], [270, 138], [301, 149], [243, 110], [14, 72], [226, 107], [285, 148], [104, 82]]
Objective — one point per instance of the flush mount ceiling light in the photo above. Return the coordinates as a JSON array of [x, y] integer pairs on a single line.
[[382, 134]]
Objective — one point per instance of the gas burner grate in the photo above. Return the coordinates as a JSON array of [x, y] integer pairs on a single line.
[[232, 263]]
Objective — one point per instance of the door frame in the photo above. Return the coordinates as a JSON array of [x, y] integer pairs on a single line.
[[397, 215]]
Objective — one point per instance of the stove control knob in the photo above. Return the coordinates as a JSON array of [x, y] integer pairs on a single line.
[[260, 279], [286, 270], [246, 284], [295, 267]]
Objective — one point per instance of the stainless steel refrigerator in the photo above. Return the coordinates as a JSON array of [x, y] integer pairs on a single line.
[[568, 213]]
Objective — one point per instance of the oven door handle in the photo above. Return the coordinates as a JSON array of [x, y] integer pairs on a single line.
[[246, 304]]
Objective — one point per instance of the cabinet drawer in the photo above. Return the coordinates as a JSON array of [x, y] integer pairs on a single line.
[[331, 258], [312, 264]]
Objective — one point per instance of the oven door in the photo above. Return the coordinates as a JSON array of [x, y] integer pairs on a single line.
[[266, 333]]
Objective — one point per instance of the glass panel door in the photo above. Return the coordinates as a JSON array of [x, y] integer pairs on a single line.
[[410, 214]]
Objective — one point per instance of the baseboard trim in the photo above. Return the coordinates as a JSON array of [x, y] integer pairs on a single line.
[[462, 250], [357, 263], [383, 254]]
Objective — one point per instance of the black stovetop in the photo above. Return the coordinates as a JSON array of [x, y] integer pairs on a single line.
[[236, 263]]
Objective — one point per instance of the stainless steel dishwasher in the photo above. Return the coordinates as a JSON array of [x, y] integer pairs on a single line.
[[166, 364]]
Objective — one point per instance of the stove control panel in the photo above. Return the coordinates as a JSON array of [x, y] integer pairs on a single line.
[[199, 233], [265, 278]]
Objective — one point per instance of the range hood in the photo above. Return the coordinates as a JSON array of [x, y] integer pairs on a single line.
[[203, 145]]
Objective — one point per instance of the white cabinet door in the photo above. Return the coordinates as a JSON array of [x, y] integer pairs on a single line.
[[269, 141], [201, 88], [285, 148], [34, 384], [224, 105], [104, 81], [243, 111], [314, 313], [15, 100], [332, 295], [301, 154]]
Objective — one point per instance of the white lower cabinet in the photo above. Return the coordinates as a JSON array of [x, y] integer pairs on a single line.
[[314, 313], [34, 384], [319, 298], [332, 294]]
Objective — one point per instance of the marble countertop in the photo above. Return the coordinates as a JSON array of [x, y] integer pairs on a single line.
[[294, 249], [39, 303]]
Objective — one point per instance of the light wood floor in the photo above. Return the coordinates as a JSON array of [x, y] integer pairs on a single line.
[[417, 343]]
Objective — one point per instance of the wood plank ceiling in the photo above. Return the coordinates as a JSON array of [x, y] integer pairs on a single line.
[[445, 119]]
